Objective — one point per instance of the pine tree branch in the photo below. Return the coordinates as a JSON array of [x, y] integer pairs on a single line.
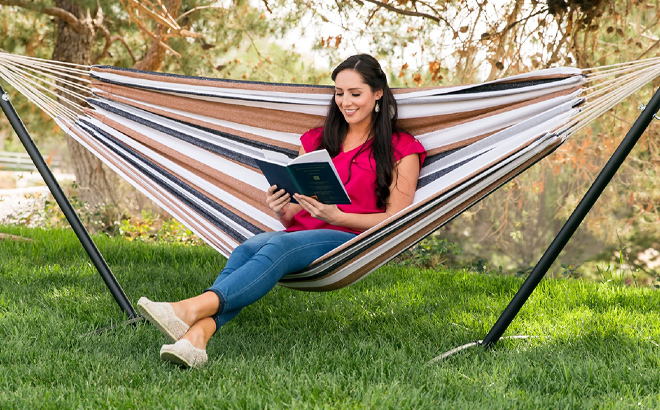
[[62, 14]]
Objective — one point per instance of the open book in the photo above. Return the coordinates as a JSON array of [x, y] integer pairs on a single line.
[[312, 174]]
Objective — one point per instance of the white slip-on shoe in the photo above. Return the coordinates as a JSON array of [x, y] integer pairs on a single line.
[[161, 315], [183, 353]]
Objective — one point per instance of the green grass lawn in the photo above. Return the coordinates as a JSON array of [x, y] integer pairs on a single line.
[[367, 346]]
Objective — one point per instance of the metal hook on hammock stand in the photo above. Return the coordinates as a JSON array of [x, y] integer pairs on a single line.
[[642, 107]]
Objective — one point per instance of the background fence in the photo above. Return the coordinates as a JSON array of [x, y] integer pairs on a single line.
[[20, 161]]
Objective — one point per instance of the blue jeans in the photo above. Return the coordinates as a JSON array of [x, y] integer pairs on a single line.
[[255, 267]]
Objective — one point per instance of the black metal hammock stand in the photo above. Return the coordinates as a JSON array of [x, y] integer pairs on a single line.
[[184, 140]]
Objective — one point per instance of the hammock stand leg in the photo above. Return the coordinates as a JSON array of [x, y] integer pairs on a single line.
[[573, 222], [65, 205]]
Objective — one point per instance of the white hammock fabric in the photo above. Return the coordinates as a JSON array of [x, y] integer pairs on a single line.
[[189, 143]]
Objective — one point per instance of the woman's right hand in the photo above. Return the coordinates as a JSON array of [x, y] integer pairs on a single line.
[[277, 200]]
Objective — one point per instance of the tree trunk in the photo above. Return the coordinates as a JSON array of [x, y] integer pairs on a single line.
[[96, 183]]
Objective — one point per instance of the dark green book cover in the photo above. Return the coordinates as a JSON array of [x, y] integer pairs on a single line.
[[312, 174]]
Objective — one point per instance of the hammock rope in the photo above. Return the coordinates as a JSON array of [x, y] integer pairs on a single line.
[[189, 143], [604, 103], [41, 94]]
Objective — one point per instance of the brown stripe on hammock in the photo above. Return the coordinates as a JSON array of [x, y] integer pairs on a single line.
[[216, 82], [459, 144], [272, 119], [198, 122]]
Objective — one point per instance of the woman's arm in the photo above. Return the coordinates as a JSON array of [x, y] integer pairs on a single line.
[[279, 201], [402, 192]]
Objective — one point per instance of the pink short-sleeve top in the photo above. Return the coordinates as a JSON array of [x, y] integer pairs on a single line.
[[361, 185]]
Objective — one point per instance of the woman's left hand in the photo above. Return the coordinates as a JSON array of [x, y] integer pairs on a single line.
[[327, 213]]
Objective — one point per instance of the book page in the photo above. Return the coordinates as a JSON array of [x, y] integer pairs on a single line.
[[314, 156], [319, 156], [275, 157]]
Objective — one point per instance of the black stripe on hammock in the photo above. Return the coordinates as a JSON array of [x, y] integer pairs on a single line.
[[223, 152], [509, 86], [175, 180], [422, 182], [433, 158], [256, 144]]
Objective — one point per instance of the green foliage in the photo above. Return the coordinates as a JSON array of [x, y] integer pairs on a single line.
[[156, 228], [621, 273], [524, 272], [108, 219], [431, 252], [570, 271]]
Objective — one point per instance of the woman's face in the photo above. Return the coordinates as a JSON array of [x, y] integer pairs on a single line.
[[355, 98]]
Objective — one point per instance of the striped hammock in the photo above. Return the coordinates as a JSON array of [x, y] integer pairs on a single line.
[[189, 143]]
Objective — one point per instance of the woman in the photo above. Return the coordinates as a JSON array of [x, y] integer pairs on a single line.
[[379, 166]]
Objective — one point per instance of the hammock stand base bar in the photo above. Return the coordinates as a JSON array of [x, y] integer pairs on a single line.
[[129, 322], [574, 221], [64, 204]]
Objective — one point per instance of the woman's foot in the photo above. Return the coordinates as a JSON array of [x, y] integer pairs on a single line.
[[183, 353], [161, 315]]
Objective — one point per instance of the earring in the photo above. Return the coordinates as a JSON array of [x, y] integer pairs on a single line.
[[377, 108]]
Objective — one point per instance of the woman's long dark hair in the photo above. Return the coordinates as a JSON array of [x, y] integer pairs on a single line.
[[382, 123]]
